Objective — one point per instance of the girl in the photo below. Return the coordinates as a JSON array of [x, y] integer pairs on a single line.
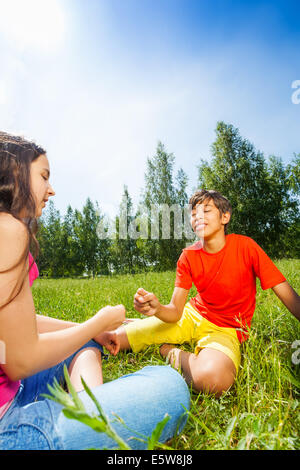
[[37, 347]]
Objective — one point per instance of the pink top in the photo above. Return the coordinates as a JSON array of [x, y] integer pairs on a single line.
[[8, 388], [34, 272]]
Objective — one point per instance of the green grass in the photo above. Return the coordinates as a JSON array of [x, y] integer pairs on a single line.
[[261, 410]]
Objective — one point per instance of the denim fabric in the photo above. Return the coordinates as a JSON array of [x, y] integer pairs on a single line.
[[33, 387], [141, 399]]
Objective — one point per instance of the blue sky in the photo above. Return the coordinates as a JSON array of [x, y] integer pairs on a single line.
[[99, 82]]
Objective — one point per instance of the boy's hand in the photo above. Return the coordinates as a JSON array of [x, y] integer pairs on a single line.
[[146, 302]]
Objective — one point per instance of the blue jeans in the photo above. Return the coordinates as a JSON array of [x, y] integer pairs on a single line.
[[141, 399]]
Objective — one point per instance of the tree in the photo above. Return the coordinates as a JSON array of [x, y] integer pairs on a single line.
[[258, 190], [70, 249], [293, 172], [124, 250], [94, 251], [49, 237], [164, 201], [181, 194], [291, 237]]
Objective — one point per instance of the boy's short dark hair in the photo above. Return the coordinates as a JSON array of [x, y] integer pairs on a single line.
[[221, 202]]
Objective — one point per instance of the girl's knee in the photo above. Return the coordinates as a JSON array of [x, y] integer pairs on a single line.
[[87, 354], [86, 364]]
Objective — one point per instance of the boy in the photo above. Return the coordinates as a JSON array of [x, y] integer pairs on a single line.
[[224, 270]]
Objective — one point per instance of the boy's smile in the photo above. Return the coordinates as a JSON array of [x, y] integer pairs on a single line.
[[207, 221]]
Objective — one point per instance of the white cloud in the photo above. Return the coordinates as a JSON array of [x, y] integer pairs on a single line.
[[32, 23], [101, 138], [3, 93]]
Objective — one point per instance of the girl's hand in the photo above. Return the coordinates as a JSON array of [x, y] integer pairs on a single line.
[[110, 340], [114, 316], [146, 302]]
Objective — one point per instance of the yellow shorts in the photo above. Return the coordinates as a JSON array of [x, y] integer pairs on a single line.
[[191, 328]]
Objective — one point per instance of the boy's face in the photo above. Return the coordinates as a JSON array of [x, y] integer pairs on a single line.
[[207, 221]]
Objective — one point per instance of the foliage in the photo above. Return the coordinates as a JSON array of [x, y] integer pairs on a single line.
[[262, 194], [70, 246], [126, 256], [163, 250]]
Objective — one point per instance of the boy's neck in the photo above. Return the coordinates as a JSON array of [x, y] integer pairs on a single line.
[[214, 244]]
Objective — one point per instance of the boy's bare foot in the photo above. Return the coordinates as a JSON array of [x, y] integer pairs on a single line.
[[171, 354], [129, 320]]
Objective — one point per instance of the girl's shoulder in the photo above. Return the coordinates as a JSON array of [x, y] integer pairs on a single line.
[[9, 221], [12, 229], [13, 241]]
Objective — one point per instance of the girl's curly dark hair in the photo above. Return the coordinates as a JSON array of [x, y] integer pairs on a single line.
[[16, 156]]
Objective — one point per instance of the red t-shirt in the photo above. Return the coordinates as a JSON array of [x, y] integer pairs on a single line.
[[226, 280]]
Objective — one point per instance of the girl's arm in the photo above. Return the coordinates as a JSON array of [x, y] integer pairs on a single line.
[[47, 324], [26, 350]]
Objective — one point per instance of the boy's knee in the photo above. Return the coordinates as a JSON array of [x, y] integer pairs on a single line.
[[209, 380]]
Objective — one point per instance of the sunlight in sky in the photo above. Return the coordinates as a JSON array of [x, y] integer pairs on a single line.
[[2, 93], [101, 81], [33, 23]]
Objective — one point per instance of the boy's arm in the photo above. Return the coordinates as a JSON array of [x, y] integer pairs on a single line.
[[288, 297], [148, 304]]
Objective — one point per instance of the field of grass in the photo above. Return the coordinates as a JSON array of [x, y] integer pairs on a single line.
[[261, 410]]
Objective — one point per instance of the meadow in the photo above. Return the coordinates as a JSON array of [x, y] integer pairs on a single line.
[[261, 410]]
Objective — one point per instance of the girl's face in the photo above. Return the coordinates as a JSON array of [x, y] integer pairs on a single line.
[[39, 180]]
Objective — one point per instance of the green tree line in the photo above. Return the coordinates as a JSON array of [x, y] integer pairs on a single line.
[[264, 194]]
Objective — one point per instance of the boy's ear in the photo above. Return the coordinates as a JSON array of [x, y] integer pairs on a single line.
[[226, 218]]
